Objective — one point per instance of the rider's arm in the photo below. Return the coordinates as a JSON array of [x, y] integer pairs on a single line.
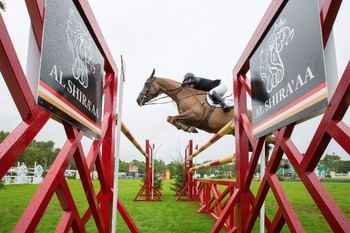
[[193, 81]]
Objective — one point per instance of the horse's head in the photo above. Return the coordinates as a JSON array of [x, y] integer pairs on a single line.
[[149, 90]]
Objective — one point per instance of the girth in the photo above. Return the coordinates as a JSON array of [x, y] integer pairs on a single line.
[[205, 122]]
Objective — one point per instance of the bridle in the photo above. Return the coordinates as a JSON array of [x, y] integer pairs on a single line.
[[150, 84]]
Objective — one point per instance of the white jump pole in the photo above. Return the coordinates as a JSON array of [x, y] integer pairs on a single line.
[[262, 173], [117, 148], [152, 176]]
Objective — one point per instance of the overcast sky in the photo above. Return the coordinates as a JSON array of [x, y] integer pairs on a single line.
[[204, 37]]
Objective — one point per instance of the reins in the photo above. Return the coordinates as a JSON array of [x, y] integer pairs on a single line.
[[153, 102], [170, 94]]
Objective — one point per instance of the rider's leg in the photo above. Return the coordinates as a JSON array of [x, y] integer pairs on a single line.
[[216, 95], [220, 89]]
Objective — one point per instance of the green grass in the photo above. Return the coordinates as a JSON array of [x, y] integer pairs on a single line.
[[168, 215], [165, 216], [307, 211]]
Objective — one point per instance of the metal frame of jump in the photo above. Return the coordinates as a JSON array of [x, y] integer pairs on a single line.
[[34, 118], [212, 200], [148, 191], [242, 204], [188, 190], [213, 196], [331, 127]]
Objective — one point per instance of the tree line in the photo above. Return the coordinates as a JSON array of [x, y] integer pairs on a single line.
[[44, 153]]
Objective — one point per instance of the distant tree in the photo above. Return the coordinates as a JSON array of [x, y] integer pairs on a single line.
[[159, 166], [177, 170], [343, 166], [257, 169], [72, 165], [331, 161], [3, 135], [123, 166], [39, 151], [2, 5]]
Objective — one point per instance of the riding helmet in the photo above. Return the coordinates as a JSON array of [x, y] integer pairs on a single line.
[[188, 75]]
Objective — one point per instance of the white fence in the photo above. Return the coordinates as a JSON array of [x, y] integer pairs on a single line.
[[24, 175]]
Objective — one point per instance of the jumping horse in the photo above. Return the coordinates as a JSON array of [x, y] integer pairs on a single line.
[[194, 110]]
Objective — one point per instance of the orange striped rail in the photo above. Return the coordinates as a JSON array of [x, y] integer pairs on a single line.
[[222, 132], [222, 161], [127, 133]]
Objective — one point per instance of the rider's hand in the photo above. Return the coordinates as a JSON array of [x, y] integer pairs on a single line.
[[187, 83], [184, 84]]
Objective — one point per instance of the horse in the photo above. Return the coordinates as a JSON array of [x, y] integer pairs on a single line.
[[194, 110]]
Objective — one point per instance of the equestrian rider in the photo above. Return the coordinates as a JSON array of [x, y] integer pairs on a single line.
[[215, 88]]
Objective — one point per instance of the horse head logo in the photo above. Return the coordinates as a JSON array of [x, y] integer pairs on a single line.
[[80, 46], [271, 64]]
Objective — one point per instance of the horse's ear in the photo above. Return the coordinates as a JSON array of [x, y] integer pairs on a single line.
[[153, 72]]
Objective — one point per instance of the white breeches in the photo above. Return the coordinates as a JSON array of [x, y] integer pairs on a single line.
[[220, 89]]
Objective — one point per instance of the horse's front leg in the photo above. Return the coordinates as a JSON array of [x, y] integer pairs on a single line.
[[184, 127], [180, 121]]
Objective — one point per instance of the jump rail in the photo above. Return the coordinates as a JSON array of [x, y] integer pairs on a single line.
[[222, 161], [128, 134], [222, 132]]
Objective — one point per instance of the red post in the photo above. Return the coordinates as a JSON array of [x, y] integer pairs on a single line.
[[188, 188], [242, 149], [145, 193], [34, 118], [191, 189], [148, 172]]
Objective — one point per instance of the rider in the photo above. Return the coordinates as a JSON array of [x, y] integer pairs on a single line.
[[215, 88]]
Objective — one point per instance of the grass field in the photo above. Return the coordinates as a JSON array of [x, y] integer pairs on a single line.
[[168, 215]]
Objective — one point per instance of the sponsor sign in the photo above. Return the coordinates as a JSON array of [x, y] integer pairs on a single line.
[[288, 78], [71, 69], [133, 168]]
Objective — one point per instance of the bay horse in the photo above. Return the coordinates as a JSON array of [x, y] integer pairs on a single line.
[[194, 110]]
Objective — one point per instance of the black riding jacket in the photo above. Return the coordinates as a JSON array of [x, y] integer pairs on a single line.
[[203, 83]]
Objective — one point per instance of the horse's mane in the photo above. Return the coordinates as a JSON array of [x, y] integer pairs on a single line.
[[161, 78], [191, 88]]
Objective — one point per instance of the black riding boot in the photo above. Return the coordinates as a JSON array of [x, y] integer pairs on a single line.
[[219, 100]]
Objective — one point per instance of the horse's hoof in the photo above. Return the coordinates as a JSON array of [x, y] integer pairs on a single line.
[[192, 129], [178, 126], [170, 119]]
